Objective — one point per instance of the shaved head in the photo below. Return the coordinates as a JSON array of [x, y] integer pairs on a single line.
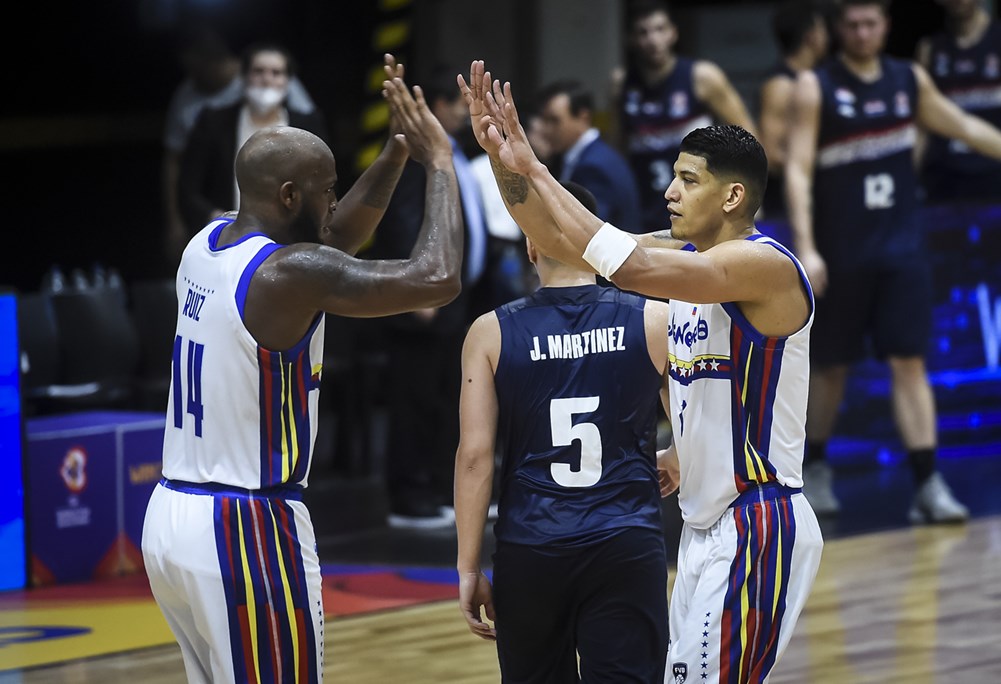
[[281, 153], [287, 175]]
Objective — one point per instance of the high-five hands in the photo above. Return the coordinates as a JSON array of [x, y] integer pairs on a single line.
[[494, 118], [425, 137]]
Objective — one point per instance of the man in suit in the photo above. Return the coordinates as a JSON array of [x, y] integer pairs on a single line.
[[566, 111], [423, 348], [207, 183]]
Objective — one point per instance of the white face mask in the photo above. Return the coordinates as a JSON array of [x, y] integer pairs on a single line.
[[263, 100]]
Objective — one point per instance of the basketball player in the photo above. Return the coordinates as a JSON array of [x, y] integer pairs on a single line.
[[572, 374], [227, 542], [964, 61], [659, 98], [741, 309], [850, 165]]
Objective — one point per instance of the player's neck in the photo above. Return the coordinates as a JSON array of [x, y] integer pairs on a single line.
[[969, 30], [867, 69], [561, 277], [802, 59], [655, 73]]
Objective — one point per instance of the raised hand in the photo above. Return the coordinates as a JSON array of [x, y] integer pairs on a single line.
[[507, 133], [394, 69], [474, 93], [425, 137]]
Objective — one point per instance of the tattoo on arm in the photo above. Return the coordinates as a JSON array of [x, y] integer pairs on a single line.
[[513, 187], [663, 235]]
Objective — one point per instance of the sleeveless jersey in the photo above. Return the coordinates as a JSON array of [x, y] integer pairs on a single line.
[[865, 185], [238, 414], [970, 77], [738, 403], [578, 398], [654, 121]]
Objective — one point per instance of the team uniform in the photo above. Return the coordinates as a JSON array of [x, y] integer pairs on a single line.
[[750, 544], [865, 217], [654, 121], [580, 562], [228, 544], [971, 78]]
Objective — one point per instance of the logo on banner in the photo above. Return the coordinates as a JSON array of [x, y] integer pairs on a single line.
[[990, 325], [74, 470]]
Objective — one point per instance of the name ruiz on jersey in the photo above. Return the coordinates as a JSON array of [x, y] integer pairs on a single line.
[[576, 345]]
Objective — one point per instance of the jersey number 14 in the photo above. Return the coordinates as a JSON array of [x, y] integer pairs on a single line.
[[188, 395]]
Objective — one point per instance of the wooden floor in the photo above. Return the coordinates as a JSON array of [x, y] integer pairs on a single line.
[[917, 605]]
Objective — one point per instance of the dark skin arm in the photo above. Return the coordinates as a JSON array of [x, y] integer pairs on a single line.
[[362, 207], [299, 281]]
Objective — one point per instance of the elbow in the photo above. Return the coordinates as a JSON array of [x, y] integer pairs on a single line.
[[444, 287]]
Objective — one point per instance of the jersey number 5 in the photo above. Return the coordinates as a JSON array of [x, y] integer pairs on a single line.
[[193, 405], [565, 431]]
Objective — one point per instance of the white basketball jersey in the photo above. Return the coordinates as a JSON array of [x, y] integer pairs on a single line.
[[738, 403], [238, 414]]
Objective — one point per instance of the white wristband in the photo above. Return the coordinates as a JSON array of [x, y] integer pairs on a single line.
[[608, 249]]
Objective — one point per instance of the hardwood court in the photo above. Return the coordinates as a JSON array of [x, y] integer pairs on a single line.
[[917, 605]]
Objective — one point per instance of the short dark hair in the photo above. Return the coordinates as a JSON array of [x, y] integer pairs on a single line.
[[582, 195], [641, 9], [842, 5], [791, 22], [580, 97], [252, 50], [733, 154]]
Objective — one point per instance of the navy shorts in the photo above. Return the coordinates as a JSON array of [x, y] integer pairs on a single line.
[[882, 308], [606, 602]]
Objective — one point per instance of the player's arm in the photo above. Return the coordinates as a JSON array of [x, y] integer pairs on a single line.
[[363, 206], [521, 200], [668, 466], [614, 132], [295, 282], [803, 136], [776, 95], [715, 90], [922, 55], [940, 115], [661, 239], [474, 468]]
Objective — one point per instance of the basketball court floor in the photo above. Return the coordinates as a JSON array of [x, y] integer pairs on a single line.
[[892, 603]]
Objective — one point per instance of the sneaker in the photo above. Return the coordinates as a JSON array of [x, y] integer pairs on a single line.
[[934, 503], [818, 489], [415, 515]]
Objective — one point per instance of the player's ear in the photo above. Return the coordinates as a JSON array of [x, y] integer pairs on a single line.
[[288, 194], [736, 197]]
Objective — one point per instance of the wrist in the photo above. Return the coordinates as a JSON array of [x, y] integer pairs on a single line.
[[441, 161], [396, 149], [537, 170]]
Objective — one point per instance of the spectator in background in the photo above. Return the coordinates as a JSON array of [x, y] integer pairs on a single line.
[[964, 61], [212, 78], [851, 189], [658, 99], [580, 155], [424, 347], [800, 30], [207, 185]]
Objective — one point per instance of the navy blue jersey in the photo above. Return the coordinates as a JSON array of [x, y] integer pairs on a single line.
[[654, 121], [970, 77], [578, 396], [865, 185]]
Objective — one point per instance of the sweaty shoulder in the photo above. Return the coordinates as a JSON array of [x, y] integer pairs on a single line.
[[484, 338]]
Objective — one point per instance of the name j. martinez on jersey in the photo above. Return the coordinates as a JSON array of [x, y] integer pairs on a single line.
[[576, 345]]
